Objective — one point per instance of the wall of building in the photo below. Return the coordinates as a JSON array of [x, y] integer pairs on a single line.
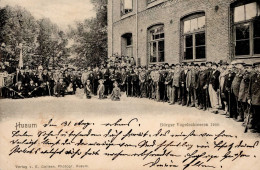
[[169, 13]]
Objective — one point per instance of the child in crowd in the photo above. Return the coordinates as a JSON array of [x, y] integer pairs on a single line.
[[116, 94], [101, 89], [88, 90]]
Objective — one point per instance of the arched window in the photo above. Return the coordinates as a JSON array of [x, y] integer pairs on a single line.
[[156, 44], [246, 28], [127, 45], [193, 37]]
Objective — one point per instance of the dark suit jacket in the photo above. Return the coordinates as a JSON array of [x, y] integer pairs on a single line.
[[254, 89], [214, 79], [203, 78], [18, 77], [183, 76]]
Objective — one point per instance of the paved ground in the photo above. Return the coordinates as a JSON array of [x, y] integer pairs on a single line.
[[145, 109], [150, 115]]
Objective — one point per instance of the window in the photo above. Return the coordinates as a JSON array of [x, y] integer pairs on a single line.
[[126, 6], [246, 28], [156, 44], [193, 37], [127, 45]]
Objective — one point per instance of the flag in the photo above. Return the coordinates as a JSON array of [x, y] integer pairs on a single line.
[[21, 58]]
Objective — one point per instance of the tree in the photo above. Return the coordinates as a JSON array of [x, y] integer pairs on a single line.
[[17, 26], [43, 43], [90, 37]]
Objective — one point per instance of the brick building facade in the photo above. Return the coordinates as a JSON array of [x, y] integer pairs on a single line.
[[172, 31]]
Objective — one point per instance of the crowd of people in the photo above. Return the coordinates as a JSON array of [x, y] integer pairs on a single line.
[[222, 88]]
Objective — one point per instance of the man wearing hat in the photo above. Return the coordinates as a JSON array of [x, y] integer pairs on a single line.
[[142, 79], [155, 75], [40, 76], [191, 81], [96, 77], [27, 79], [17, 76], [235, 87], [203, 86], [132, 61], [46, 82], [59, 88], [135, 83], [118, 76], [162, 86], [183, 88], [222, 98], [214, 88], [123, 75], [254, 100], [129, 81], [168, 83], [105, 77], [111, 79], [149, 82], [176, 84], [230, 98], [243, 95]]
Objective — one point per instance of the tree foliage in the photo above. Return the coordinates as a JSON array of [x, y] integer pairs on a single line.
[[40, 40], [90, 37], [43, 43]]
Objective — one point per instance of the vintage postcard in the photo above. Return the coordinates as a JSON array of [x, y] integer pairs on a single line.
[[129, 84]]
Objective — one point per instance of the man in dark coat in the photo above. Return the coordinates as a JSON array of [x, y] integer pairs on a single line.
[[243, 95], [149, 82], [214, 88], [60, 87], [176, 84], [202, 81], [236, 86], [254, 99], [17, 76], [135, 82], [97, 75], [123, 79], [168, 83], [191, 81], [142, 80], [162, 86], [67, 78], [183, 77], [229, 77], [105, 77], [111, 79], [128, 81], [46, 83]]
